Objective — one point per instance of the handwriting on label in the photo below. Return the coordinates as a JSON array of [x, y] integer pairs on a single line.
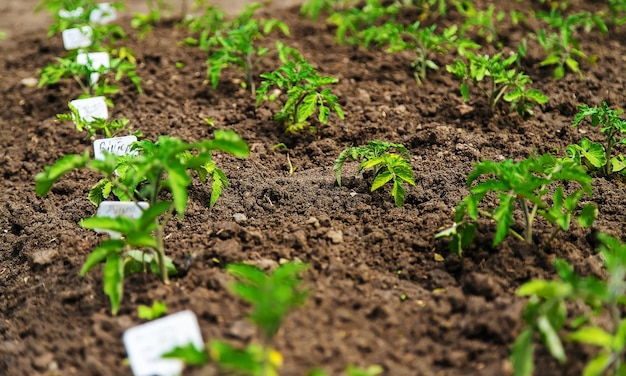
[[77, 37], [115, 145], [103, 14], [145, 344], [91, 108], [115, 209]]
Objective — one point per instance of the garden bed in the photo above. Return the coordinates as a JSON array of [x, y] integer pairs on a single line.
[[383, 290]]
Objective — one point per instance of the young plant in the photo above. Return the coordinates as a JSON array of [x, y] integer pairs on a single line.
[[272, 297], [483, 21], [387, 166], [236, 45], [503, 82], [141, 177], [562, 48], [305, 94], [97, 126], [594, 155], [87, 76], [353, 20], [206, 26], [524, 184], [424, 42], [67, 14], [546, 314]]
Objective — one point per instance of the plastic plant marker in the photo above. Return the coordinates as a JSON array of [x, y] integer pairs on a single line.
[[145, 344], [91, 108], [115, 145], [95, 60], [103, 14], [77, 37]]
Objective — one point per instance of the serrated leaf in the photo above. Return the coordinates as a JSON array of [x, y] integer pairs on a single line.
[[307, 107], [120, 224], [537, 96], [398, 193], [588, 215], [381, 179], [465, 91]]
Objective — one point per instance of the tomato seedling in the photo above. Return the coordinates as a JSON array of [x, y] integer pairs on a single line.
[[504, 82], [560, 43], [96, 126], [142, 177], [387, 166], [305, 94], [600, 324], [272, 297], [594, 155], [236, 45], [525, 184]]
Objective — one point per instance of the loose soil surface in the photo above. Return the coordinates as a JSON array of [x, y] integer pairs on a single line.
[[460, 315]]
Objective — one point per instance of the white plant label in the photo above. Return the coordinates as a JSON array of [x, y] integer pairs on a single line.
[[115, 209], [103, 14], [145, 344], [115, 145], [91, 108], [95, 61], [77, 37]]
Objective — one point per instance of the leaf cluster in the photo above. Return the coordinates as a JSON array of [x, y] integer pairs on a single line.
[[598, 157], [483, 21], [236, 45], [107, 128], [87, 76], [352, 21], [150, 169], [546, 314], [503, 82], [559, 41], [305, 94], [525, 184], [387, 166], [423, 41]]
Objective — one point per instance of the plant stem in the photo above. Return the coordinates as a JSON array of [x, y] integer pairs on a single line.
[[249, 80], [160, 251], [528, 220], [514, 233]]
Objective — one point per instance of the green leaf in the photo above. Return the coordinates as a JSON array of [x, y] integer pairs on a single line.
[[503, 215], [537, 96], [522, 354], [398, 193], [593, 335], [122, 225], [598, 365], [381, 179], [178, 181], [44, 180], [113, 278], [307, 107], [100, 254], [545, 289], [465, 91], [587, 215], [141, 240], [157, 310], [189, 355], [551, 338]]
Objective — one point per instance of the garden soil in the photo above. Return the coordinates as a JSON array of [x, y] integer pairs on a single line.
[[382, 289]]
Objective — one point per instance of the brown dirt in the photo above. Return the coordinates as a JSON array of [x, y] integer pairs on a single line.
[[460, 315]]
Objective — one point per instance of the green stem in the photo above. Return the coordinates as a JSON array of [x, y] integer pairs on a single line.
[[249, 80], [528, 220], [160, 251], [512, 232]]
